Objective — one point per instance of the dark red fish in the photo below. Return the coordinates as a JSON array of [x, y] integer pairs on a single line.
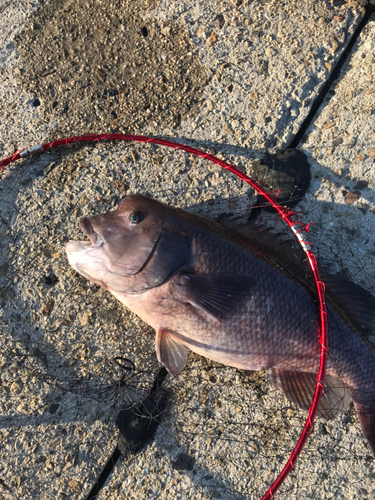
[[237, 295]]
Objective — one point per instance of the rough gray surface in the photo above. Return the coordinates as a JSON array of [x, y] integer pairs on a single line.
[[251, 72]]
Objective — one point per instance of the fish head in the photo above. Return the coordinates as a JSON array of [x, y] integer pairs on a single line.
[[136, 247]]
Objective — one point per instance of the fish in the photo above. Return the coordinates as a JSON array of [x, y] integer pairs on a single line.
[[238, 294]]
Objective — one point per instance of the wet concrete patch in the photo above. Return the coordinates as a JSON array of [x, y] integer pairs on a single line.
[[89, 63]]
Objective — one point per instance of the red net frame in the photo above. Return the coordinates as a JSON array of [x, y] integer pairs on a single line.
[[290, 218]]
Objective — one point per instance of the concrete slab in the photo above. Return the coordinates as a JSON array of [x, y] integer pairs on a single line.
[[213, 72], [238, 78]]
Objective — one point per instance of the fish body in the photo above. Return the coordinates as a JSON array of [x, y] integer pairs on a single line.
[[225, 293]]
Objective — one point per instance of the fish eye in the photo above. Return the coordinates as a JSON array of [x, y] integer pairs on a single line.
[[136, 217]]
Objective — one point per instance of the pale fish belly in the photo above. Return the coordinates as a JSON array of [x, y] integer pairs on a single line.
[[252, 338]]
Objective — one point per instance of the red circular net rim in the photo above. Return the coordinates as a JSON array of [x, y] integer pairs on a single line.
[[291, 220]]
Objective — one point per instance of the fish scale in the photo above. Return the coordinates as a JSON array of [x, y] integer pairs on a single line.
[[236, 294]]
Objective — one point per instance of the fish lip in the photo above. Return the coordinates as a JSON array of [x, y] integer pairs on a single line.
[[88, 230]]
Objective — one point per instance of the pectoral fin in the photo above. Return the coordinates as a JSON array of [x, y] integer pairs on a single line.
[[171, 352], [216, 295], [299, 387]]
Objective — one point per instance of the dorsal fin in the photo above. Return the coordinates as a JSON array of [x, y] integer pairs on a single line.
[[275, 248]]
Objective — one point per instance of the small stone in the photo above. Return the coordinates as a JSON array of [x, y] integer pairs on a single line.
[[74, 485], [47, 307], [134, 156], [360, 157], [289, 413], [350, 198], [6, 293], [16, 387], [83, 200], [23, 408], [270, 51], [221, 20], [339, 19], [337, 141], [165, 31], [238, 409], [334, 43], [329, 151], [53, 407], [120, 185], [211, 39], [350, 142], [337, 171], [328, 124], [229, 88], [100, 74], [85, 319], [328, 66], [294, 112], [253, 447], [371, 152], [199, 32]]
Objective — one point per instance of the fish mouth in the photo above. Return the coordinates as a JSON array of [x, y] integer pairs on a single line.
[[88, 230]]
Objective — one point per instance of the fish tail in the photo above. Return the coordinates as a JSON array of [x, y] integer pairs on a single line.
[[366, 416]]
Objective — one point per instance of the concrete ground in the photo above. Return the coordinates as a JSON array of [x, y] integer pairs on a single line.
[[238, 79]]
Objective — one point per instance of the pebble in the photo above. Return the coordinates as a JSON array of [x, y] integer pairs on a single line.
[[100, 74], [16, 387], [371, 152], [85, 319], [337, 171], [23, 408], [74, 485], [270, 51], [360, 157], [350, 198], [6, 293], [47, 307]]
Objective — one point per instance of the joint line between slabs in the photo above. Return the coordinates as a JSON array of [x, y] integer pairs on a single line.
[[335, 74]]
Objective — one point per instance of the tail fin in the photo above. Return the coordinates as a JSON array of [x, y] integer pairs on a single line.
[[366, 416]]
